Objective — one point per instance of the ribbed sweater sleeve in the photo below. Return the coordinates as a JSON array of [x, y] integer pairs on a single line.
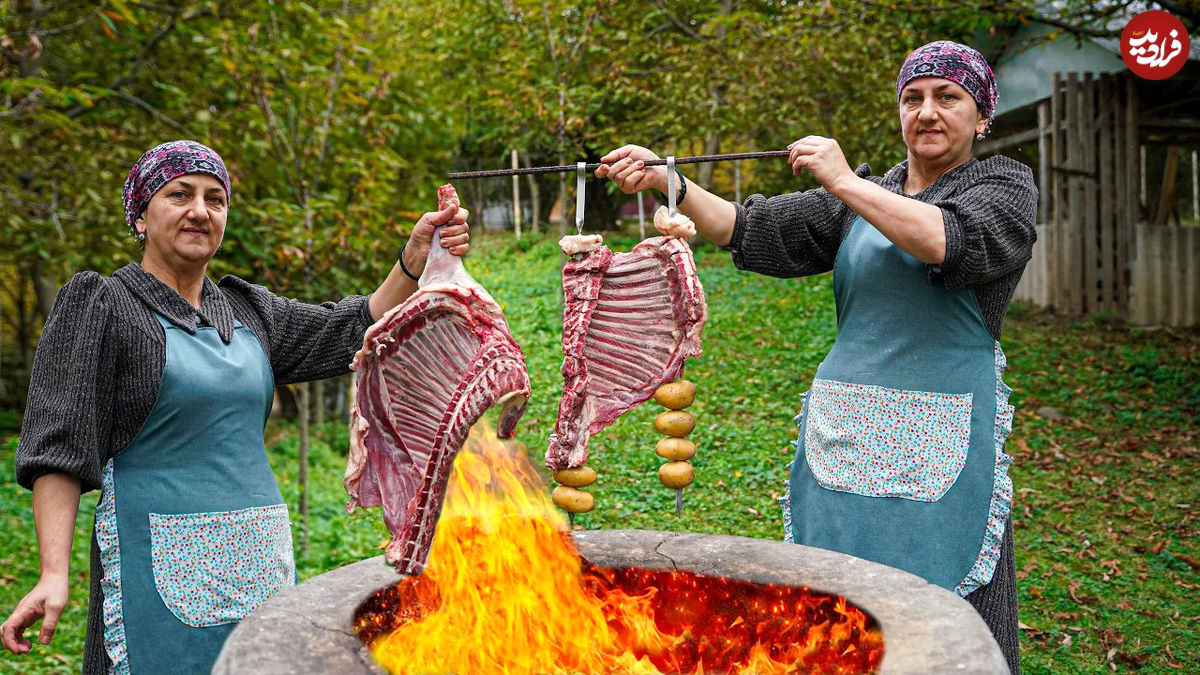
[[307, 341], [63, 431], [990, 225], [791, 235]]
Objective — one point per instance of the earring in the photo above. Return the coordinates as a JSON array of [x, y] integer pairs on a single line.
[[979, 136], [141, 237]]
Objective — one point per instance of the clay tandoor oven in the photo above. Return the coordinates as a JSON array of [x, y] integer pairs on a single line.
[[926, 629]]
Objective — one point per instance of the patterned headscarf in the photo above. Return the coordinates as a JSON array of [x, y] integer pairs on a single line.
[[163, 164], [957, 63]]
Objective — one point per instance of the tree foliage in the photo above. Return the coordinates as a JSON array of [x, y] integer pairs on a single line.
[[337, 118]]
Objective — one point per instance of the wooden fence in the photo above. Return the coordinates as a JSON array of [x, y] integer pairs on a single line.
[[1090, 170], [1166, 276], [1164, 273]]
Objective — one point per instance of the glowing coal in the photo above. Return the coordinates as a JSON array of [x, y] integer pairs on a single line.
[[506, 592]]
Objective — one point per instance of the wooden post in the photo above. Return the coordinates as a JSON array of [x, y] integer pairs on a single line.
[[1195, 189], [516, 164], [1060, 259], [1121, 217], [1132, 177], [535, 198], [1075, 125], [1091, 220], [1106, 192], [1043, 115], [1142, 174], [1166, 196]]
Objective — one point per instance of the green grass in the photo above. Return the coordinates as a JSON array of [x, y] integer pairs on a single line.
[[1106, 500]]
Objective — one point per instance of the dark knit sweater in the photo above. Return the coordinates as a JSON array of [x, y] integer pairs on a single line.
[[989, 207], [100, 360]]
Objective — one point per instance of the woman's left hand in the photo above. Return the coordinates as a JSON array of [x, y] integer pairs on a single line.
[[823, 157], [455, 236]]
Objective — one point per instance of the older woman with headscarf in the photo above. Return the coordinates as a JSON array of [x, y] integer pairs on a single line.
[[153, 386], [900, 457]]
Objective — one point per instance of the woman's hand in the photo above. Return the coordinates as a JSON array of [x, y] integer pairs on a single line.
[[823, 157], [625, 167], [47, 601], [455, 236]]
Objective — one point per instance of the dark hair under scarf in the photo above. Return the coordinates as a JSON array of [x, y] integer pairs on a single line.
[[959, 64], [163, 164]]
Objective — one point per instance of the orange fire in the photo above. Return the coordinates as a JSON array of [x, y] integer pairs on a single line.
[[506, 592]]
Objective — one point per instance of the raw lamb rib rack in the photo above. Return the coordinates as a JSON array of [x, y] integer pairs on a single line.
[[427, 371], [631, 321]]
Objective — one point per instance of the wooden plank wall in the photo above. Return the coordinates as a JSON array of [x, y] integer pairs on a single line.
[[1166, 276], [1082, 261]]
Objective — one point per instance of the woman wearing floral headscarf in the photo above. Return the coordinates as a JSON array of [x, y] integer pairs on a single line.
[[901, 457], [153, 385]]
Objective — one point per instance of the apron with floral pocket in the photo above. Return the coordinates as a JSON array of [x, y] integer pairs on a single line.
[[900, 458], [192, 530]]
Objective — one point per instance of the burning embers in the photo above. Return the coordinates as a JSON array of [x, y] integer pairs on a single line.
[[505, 592]]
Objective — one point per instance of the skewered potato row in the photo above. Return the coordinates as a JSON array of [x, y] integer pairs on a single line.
[[567, 496], [675, 423]]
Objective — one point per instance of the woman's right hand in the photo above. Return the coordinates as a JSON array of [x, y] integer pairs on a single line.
[[47, 601], [624, 166]]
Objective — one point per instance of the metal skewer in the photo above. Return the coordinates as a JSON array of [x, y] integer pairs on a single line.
[[566, 168], [678, 491], [672, 207], [580, 195]]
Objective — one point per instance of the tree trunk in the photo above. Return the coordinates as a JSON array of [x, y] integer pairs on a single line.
[[704, 174], [319, 402], [44, 289], [535, 197], [303, 475]]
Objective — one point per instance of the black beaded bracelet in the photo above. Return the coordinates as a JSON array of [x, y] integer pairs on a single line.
[[682, 190], [400, 259]]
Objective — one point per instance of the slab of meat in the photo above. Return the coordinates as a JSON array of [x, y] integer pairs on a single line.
[[427, 371], [631, 321]]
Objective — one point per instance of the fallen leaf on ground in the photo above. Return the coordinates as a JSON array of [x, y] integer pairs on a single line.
[[1190, 560]]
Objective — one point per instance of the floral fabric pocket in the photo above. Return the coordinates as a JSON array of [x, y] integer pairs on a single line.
[[882, 442], [217, 568]]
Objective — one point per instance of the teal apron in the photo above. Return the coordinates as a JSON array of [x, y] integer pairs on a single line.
[[900, 455], [192, 530]]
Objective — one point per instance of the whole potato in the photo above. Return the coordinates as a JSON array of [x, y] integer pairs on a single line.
[[580, 476], [676, 395], [675, 449], [676, 475], [675, 423], [570, 499]]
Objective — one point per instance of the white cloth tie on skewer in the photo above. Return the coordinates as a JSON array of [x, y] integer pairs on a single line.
[[667, 219]]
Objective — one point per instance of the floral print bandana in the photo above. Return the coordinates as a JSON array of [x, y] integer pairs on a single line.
[[959, 64], [163, 164]]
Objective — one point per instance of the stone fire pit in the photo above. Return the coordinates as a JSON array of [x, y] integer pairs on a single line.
[[926, 629]]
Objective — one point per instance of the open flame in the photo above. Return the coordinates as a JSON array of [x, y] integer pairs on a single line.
[[506, 592]]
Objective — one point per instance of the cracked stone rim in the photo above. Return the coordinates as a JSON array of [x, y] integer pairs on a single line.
[[309, 628]]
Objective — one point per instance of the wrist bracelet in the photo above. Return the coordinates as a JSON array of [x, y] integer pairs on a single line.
[[400, 259], [682, 188]]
